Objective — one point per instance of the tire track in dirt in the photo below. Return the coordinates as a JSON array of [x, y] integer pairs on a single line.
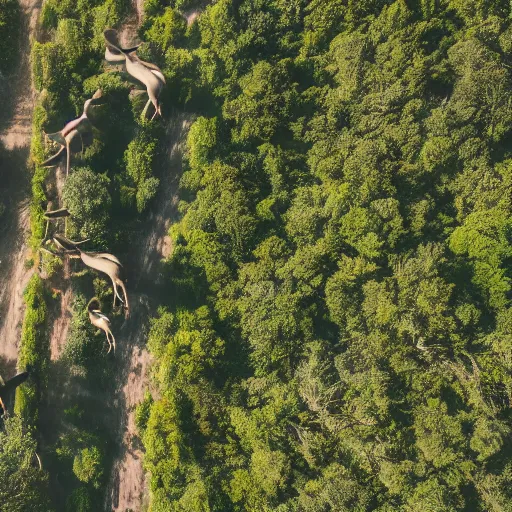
[[15, 137]]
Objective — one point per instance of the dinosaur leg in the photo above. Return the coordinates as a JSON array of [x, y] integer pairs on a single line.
[[68, 158], [116, 293], [4, 409], [123, 287], [144, 112], [109, 344], [113, 339], [155, 114]]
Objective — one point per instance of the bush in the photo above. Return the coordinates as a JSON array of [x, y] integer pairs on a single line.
[[140, 160], [34, 352], [87, 198], [88, 466], [49, 67], [79, 501]]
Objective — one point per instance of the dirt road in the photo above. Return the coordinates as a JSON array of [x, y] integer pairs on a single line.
[[15, 134], [127, 488]]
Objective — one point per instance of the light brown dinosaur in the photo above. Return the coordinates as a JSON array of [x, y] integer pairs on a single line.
[[71, 136], [145, 72], [99, 320], [102, 261]]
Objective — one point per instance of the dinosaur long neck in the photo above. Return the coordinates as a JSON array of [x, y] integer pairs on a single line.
[[106, 266], [91, 261], [143, 74], [72, 125]]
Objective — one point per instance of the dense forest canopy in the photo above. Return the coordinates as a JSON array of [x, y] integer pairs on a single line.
[[338, 335], [335, 327]]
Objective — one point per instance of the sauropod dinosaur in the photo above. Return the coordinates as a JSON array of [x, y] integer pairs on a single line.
[[148, 74], [102, 261], [6, 388], [71, 136], [99, 320], [53, 215]]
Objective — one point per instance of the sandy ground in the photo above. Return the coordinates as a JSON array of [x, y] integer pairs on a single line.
[[60, 328], [128, 34], [128, 482], [61, 322], [15, 136]]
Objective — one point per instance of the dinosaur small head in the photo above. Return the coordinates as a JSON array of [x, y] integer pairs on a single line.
[[94, 305]]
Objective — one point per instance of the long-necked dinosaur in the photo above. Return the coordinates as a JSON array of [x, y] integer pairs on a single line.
[[6, 388], [71, 136], [145, 72], [50, 215], [99, 320], [102, 261]]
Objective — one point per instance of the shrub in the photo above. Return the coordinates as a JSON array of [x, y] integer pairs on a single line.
[[88, 466]]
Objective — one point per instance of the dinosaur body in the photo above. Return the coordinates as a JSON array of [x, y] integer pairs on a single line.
[[99, 320], [146, 73], [71, 136], [103, 262], [109, 265]]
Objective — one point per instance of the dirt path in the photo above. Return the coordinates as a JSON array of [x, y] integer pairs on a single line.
[[15, 137], [128, 34], [128, 485]]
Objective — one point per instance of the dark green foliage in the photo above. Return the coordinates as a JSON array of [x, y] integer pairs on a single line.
[[81, 345], [87, 198], [23, 486], [34, 352], [79, 501], [140, 160], [167, 29], [87, 466], [9, 34], [346, 224]]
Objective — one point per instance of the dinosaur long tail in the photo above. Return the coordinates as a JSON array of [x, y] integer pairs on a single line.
[[53, 159]]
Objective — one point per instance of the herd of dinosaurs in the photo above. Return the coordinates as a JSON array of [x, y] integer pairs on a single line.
[[72, 138]]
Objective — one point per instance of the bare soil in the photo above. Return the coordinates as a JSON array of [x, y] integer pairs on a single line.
[[15, 134], [128, 33], [62, 320], [60, 328]]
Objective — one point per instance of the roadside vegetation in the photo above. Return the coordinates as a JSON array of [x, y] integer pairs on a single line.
[[9, 31], [23, 486]]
